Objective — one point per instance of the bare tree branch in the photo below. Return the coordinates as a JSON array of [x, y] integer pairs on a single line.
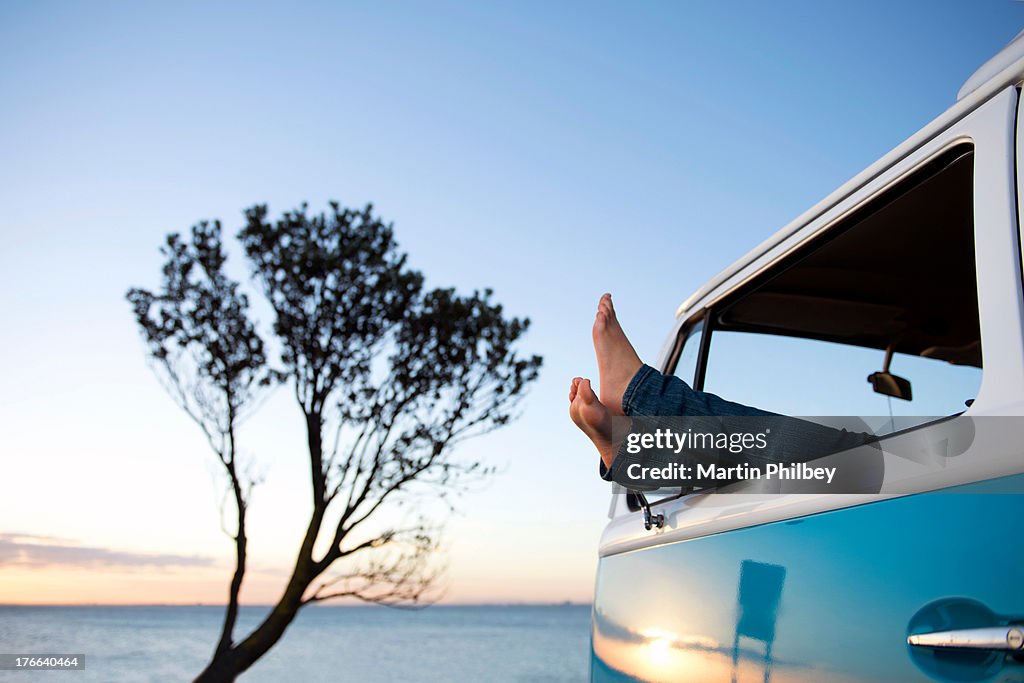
[[198, 327]]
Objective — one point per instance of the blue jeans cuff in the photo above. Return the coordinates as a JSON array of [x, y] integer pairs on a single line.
[[627, 397]]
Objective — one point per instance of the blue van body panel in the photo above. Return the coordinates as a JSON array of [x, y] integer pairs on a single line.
[[826, 597]]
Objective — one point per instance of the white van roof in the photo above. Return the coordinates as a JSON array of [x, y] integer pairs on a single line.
[[1004, 69], [988, 71]]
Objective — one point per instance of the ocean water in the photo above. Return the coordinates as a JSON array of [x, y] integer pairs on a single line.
[[535, 644]]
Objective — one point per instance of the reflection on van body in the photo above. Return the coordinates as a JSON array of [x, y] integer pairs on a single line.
[[898, 296], [848, 583], [758, 609]]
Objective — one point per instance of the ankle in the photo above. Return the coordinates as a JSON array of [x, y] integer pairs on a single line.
[[607, 453]]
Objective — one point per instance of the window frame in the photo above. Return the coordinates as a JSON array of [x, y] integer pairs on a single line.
[[885, 198]]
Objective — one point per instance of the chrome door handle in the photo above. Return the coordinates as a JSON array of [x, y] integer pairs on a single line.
[[993, 638]]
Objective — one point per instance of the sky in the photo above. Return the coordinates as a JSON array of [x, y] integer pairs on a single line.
[[551, 151]]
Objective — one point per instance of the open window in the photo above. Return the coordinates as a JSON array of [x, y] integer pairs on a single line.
[[879, 318]]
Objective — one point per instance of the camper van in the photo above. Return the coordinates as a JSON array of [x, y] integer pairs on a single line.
[[897, 299]]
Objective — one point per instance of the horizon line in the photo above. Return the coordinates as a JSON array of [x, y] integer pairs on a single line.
[[559, 603]]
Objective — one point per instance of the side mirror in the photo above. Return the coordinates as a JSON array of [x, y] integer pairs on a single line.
[[888, 384]]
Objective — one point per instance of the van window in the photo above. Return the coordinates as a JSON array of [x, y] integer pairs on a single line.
[[686, 366], [807, 377], [897, 280]]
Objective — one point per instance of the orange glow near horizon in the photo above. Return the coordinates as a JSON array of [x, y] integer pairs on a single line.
[[208, 586], [66, 586]]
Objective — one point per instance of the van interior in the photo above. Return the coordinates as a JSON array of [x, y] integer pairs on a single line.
[[900, 277]]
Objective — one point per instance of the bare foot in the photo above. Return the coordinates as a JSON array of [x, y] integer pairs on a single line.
[[617, 361], [592, 417]]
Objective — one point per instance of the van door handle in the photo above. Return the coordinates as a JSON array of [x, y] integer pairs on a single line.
[[1009, 638]]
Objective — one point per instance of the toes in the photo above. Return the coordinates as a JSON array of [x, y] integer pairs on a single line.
[[606, 300], [573, 388], [601, 321], [585, 392]]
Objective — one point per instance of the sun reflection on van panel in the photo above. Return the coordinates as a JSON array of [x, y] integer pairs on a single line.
[[658, 651], [671, 658], [658, 618]]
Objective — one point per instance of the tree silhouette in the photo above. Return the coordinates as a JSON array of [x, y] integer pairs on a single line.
[[210, 358], [389, 377]]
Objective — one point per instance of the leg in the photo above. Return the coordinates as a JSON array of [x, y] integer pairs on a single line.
[[651, 394], [591, 416], [617, 361], [628, 387], [631, 388]]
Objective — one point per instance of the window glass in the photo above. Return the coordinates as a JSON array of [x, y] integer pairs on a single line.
[[686, 366], [807, 377]]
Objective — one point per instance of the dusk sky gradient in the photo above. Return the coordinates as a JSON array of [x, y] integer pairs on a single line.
[[551, 151]]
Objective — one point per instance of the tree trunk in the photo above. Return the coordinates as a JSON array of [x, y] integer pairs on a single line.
[[231, 613], [228, 664]]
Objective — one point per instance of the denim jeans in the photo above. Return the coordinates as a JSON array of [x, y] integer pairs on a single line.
[[651, 394]]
